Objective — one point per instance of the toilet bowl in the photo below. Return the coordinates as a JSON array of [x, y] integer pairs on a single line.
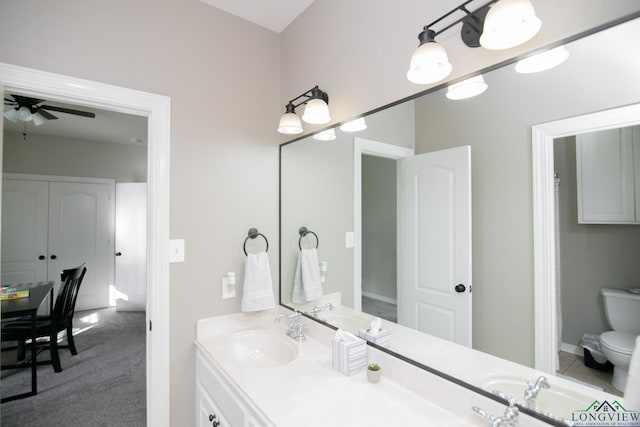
[[622, 310]]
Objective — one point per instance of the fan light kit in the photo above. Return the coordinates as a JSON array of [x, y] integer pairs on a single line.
[[316, 111], [499, 24]]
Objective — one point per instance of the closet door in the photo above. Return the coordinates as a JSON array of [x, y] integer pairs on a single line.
[[81, 229], [24, 231]]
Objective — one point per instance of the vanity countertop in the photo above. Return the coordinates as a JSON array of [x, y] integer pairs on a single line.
[[308, 391]]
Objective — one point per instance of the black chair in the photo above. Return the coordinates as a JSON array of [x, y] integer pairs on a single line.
[[49, 326]]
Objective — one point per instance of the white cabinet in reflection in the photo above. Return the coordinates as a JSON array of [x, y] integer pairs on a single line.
[[608, 176]]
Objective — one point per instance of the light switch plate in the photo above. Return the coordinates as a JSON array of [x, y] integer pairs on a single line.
[[176, 250], [348, 239], [228, 290]]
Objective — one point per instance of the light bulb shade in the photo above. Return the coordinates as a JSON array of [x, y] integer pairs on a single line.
[[467, 88], [542, 61], [38, 118], [290, 124], [354, 125], [11, 115], [509, 23], [316, 112], [429, 64], [24, 114], [325, 135]]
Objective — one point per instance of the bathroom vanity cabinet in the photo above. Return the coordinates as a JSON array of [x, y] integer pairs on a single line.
[[608, 176], [218, 404]]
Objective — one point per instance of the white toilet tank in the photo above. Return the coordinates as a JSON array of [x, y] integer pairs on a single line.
[[622, 309]]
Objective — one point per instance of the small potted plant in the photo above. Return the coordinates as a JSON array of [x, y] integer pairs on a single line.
[[374, 372]]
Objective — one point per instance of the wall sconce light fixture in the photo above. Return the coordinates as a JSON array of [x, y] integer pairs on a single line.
[[498, 24], [316, 111]]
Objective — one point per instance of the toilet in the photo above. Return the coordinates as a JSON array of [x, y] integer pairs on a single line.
[[622, 309]]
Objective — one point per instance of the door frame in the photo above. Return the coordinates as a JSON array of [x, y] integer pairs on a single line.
[[157, 109], [544, 235], [373, 148]]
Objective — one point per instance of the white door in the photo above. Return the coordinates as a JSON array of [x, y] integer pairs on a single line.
[[25, 207], [434, 274], [131, 247], [81, 229]]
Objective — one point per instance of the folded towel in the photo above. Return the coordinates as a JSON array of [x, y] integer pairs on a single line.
[[307, 285], [632, 390], [257, 293]]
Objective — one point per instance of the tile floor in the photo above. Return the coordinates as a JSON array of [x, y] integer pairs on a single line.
[[573, 366]]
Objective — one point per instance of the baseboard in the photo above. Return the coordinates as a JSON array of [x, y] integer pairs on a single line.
[[382, 298], [570, 348]]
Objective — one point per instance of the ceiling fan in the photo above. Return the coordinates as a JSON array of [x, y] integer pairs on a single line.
[[28, 109]]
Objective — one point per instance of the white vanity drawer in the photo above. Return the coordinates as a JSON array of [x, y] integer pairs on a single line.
[[225, 399]]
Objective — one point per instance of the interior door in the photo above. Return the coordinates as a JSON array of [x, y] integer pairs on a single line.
[[131, 247], [25, 207], [434, 278], [81, 229]]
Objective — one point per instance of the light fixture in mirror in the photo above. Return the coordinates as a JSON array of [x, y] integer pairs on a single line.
[[542, 61], [429, 62], [467, 88], [509, 23], [325, 135], [354, 125]]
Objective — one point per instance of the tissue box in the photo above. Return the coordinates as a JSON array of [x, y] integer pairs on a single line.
[[349, 353], [382, 338]]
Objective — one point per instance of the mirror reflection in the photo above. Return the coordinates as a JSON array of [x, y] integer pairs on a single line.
[[350, 192]]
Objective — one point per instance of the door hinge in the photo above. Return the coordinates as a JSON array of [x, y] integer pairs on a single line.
[[470, 288], [150, 326]]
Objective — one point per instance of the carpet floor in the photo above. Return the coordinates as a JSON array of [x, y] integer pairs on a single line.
[[103, 385]]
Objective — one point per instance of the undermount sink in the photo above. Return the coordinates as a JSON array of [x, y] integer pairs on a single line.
[[556, 400], [347, 322], [261, 349]]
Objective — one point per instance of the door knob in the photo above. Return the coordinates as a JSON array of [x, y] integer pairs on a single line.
[[460, 288], [118, 253], [53, 257], [41, 257]]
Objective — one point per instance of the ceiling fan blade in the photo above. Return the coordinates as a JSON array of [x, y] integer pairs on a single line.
[[47, 115], [25, 100], [8, 101], [68, 111]]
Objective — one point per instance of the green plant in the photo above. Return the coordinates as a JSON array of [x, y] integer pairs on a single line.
[[373, 367]]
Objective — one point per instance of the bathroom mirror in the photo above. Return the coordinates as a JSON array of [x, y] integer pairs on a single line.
[[321, 190]]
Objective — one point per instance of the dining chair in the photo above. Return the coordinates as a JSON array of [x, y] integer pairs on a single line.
[[61, 319]]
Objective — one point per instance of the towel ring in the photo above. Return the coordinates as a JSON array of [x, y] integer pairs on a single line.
[[303, 232], [252, 234]]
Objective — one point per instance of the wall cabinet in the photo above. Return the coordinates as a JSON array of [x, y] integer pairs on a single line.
[[218, 404], [608, 176]]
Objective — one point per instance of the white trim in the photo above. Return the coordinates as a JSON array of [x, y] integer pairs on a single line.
[[58, 178], [570, 348], [546, 343], [158, 111], [380, 298], [380, 149]]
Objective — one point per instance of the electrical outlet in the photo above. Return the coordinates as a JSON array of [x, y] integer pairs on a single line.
[[348, 239], [176, 250], [229, 286]]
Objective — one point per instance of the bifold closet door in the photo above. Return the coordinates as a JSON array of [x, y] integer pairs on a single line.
[[81, 229], [25, 206]]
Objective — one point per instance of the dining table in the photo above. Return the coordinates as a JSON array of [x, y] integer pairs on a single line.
[[27, 307]]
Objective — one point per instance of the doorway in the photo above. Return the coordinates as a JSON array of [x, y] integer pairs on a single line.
[[157, 108]]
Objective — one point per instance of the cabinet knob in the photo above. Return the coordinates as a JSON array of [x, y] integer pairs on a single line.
[[54, 256], [213, 419], [42, 257]]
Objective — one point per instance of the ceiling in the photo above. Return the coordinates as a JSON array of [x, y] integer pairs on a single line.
[[275, 15], [107, 126]]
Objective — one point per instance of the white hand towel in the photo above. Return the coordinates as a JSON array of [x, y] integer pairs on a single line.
[[306, 280], [257, 293], [632, 391]]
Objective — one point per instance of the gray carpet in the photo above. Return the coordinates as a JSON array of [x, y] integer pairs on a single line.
[[381, 309], [103, 385]]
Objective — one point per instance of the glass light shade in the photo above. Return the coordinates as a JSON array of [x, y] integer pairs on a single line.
[[467, 88], [290, 124], [38, 119], [509, 23], [429, 64], [542, 61], [24, 114], [325, 135], [316, 112], [354, 125], [11, 115]]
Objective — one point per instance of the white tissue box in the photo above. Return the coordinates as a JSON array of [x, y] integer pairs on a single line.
[[349, 353], [382, 338]]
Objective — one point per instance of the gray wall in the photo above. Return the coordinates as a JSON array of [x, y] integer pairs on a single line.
[[592, 256], [379, 225], [68, 157], [497, 124], [223, 77]]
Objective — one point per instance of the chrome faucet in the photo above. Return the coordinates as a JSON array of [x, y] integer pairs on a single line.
[[531, 393], [508, 419], [296, 327], [315, 310]]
